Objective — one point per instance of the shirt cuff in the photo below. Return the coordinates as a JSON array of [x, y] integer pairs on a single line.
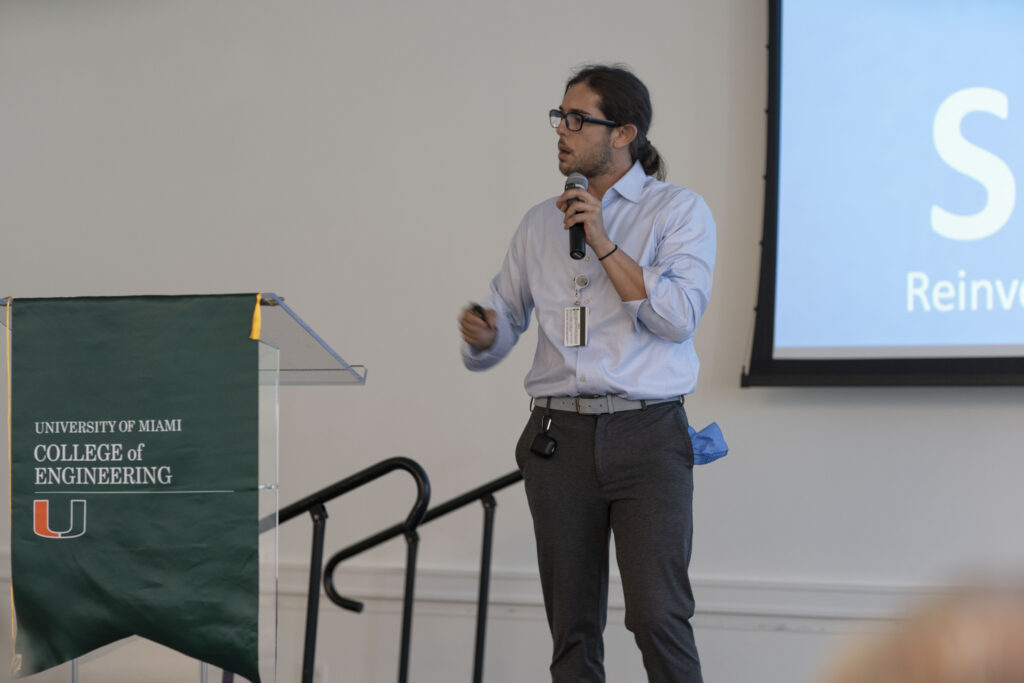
[[481, 359], [632, 309]]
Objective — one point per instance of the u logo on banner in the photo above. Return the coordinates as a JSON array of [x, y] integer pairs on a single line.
[[41, 520]]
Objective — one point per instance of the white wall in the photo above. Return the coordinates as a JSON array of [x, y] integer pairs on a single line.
[[370, 160]]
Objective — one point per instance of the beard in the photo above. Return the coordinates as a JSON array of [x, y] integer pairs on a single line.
[[594, 162]]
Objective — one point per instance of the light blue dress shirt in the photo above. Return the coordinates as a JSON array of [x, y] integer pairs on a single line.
[[636, 349]]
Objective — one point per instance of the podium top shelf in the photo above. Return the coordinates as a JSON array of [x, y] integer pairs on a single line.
[[305, 358]]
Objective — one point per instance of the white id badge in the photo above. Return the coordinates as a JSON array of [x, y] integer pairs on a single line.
[[576, 326]]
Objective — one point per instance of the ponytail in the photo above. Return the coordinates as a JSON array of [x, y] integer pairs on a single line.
[[649, 158]]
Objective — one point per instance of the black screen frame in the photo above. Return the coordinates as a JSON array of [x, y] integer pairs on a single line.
[[765, 370]]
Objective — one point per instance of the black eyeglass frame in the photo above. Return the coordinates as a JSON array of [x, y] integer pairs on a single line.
[[556, 116]]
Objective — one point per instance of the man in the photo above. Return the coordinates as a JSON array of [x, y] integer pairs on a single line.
[[606, 449]]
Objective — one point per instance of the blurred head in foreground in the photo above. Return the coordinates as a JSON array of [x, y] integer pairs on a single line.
[[973, 635]]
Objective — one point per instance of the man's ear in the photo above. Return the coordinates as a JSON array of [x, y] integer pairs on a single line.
[[624, 135]]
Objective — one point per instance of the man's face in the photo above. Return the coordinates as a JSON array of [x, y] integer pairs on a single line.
[[588, 150]]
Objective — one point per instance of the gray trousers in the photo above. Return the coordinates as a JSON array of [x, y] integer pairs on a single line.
[[631, 474]]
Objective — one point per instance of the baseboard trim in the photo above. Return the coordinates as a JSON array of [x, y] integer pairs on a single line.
[[717, 597], [741, 597]]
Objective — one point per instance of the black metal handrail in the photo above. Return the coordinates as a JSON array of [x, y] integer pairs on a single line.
[[484, 494], [314, 505]]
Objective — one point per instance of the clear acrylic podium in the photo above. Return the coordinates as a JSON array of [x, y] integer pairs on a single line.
[[290, 354]]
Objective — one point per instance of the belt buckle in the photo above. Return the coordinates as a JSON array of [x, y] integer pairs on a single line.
[[591, 405]]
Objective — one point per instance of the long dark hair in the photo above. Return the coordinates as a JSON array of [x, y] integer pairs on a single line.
[[624, 98]]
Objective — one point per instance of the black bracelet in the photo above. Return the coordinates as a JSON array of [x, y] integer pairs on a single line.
[[615, 249]]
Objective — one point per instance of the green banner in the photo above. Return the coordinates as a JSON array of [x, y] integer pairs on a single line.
[[134, 473]]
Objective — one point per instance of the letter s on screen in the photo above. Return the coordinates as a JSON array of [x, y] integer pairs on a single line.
[[973, 161]]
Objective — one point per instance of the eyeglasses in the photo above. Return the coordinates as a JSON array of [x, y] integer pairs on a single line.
[[574, 121]]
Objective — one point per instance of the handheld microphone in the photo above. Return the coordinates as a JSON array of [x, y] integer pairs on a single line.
[[577, 238]]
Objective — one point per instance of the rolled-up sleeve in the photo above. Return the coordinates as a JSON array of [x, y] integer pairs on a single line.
[[678, 281]]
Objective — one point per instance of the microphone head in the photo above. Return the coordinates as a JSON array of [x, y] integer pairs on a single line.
[[576, 181]]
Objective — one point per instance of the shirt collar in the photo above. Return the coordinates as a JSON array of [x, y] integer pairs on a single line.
[[631, 185]]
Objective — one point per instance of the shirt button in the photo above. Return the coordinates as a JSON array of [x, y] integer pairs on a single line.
[[587, 259], [583, 379], [586, 302]]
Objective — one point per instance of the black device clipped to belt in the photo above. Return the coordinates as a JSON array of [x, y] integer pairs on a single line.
[[543, 444]]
